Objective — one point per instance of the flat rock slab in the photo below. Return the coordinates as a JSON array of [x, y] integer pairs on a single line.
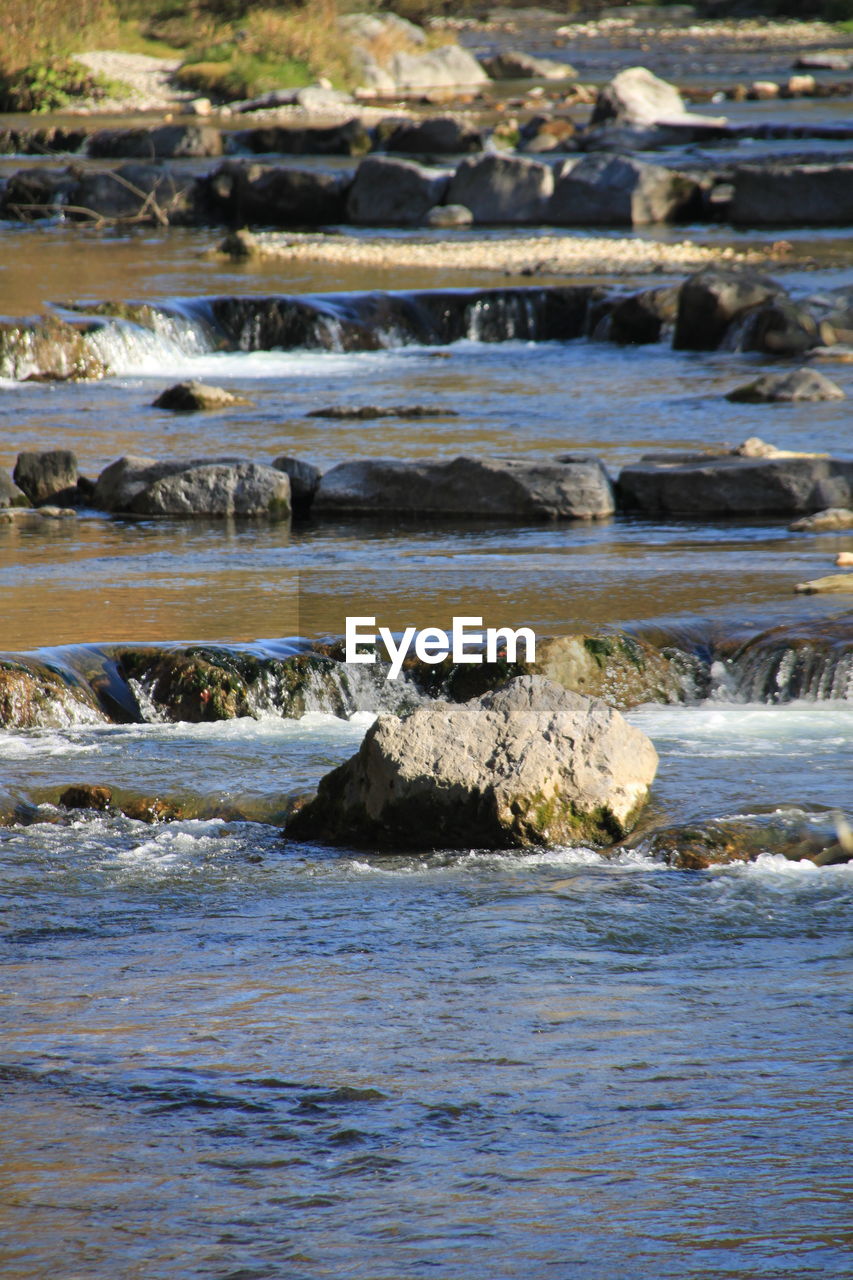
[[832, 584], [730, 486], [468, 489], [188, 397], [529, 764]]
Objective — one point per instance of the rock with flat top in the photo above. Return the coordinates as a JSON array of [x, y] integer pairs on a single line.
[[833, 584], [244, 490], [513, 65], [392, 192], [503, 189], [834, 519], [608, 190], [529, 764], [736, 486], [468, 489]]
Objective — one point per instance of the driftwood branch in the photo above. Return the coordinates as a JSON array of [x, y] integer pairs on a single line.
[[149, 210]]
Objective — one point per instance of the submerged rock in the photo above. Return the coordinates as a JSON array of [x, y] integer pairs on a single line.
[[35, 696], [832, 584], [620, 669], [514, 65], [86, 796], [439, 135], [797, 384], [47, 349], [468, 489], [823, 839], [529, 764], [185, 397], [829, 521]]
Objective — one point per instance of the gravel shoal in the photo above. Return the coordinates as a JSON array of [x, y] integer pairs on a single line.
[[527, 255]]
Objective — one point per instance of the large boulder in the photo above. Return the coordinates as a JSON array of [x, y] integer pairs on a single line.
[[47, 477], [608, 190], [503, 189], [712, 299], [166, 142], [793, 195], [145, 193], [123, 480], [448, 67], [736, 486], [439, 135], [781, 327], [246, 490], [795, 385], [276, 196], [638, 97], [529, 764], [468, 489], [391, 192], [304, 479], [348, 139]]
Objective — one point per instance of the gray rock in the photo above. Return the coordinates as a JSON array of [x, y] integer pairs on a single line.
[[49, 477], [350, 138], [217, 491], [797, 384], [637, 97], [610, 190], [141, 192], [502, 189], [448, 67], [304, 479], [441, 135], [447, 216], [529, 764], [833, 520], [120, 482], [829, 60], [167, 142], [391, 192], [712, 299], [733, 486], [513, 65], [468, 489], [781, 328], [793, 195], [276, 195], [10, 494], [187, 397]]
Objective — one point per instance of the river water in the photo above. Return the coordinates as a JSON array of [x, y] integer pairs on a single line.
[[225, 1055]]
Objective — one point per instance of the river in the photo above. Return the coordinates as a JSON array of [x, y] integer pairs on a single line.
[[228, 1056]]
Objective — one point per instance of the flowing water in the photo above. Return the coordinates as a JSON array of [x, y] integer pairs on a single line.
[[226, 1055]]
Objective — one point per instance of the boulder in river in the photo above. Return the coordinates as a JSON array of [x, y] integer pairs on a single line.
[[348, 139], [120, 482], [276, 195], [793, 195], [392, 192], [835, 584], [795, 385], [36, 696], [438, 135], [218, 490], [46, 350], [135, 193], [712, 299], [736, 486], [781, 327], [528, 764], [608, 190], [636, 96], [503, 189], [186, 397], [468, 489], [49, 477], [164, 142]]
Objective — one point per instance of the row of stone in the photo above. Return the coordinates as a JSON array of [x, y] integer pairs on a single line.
[[596, 190], [754, 480]]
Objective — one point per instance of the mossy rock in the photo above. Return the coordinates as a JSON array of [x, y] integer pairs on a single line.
[[47, 349], [35, 696]]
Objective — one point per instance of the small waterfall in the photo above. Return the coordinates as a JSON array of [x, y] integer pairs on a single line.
[[789, 662], [503, 317], [150, 712]]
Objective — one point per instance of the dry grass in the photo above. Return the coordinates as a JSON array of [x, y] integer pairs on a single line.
[[35, 31]]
